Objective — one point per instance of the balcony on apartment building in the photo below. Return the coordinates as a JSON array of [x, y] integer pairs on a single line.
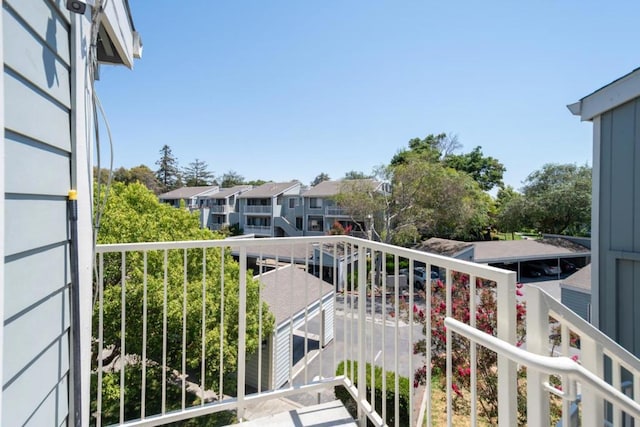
[[219, 209], [336, 211], [257, 209], [181, 339]]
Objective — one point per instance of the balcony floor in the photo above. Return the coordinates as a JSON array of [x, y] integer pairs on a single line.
[[326, 414]]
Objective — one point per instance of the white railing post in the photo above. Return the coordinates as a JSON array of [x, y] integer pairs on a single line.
[[591, 357], [538, 343], [362, 306], [507, 370], [242, 330]]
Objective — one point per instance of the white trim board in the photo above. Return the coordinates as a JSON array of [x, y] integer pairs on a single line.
[[608, 97]]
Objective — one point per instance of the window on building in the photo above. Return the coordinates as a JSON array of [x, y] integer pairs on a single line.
[[315, 202], [259, 221], [293, 202], [316, 223]]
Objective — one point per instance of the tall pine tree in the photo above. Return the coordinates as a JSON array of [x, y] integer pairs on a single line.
[[168, 172], [198, 174]]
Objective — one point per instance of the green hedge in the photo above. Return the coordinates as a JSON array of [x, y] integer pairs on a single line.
[[404, 389]]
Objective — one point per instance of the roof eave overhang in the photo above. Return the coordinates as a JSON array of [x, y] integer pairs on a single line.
[[608, 97], [121, 43]]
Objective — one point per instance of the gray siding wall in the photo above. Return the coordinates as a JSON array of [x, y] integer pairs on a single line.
[[619, 225], [37, 179], [576, 301], [282, 355], [251, 375]]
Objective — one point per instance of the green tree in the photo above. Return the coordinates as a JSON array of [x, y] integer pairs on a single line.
[[133, 214], [431, 148], [430, 200], [101, 175], [425, 200], [141, 174], [558, 199], [231, 178], [351, 175], [511, 210], [485, 170], [320, 178], [197, 174], [365, 202], [256, 182], [168, 172]]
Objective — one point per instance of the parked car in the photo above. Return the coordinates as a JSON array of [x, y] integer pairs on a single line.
[[544, 268], [567, 266], [527, 270], [420, 277]]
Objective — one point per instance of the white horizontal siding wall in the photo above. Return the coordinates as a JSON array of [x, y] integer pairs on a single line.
[[577, 301], [282, 355], [37, 172], [251, 374], [329, 312]]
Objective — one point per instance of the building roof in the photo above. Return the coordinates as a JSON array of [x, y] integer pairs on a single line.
[[514, 250], [269, 189], [290, 289], [444, 247], [332, 188], [579, 281], [187, 192], [300, 252], [226, 192], [608, 97]]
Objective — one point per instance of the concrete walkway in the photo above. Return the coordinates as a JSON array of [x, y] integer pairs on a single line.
[[323, 415]]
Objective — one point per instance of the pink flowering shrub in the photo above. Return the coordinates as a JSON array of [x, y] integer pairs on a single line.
[[486, 321]]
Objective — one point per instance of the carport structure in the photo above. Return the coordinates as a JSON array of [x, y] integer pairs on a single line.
[[511, 254]]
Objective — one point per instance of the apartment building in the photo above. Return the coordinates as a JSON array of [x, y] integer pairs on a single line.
[[221, 208]]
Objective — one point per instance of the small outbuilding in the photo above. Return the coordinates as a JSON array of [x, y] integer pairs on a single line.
[[575, 292], [295, 297]]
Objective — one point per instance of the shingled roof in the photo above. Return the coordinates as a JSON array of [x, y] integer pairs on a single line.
[[332, 188], [268, 189], [509, 250], [290, 289], [187, 192], [444, 247]]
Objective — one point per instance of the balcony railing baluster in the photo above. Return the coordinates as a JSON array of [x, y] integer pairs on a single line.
[[203, 345], [474, 352], [123, 330], [143, 388]]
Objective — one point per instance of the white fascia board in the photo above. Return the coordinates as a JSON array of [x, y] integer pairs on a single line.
[[118, 26], [595, 224], [609, 97], [2, 207]]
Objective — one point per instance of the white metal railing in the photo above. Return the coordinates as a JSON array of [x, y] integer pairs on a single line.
[[336, 211], [572, 373], [261, 209], [552, 325], [184, 308], [257, 229]]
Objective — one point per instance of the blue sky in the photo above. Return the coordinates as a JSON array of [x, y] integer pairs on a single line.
[[282, 90]]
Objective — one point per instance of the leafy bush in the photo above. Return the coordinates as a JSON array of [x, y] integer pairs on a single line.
[[404, 390]]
